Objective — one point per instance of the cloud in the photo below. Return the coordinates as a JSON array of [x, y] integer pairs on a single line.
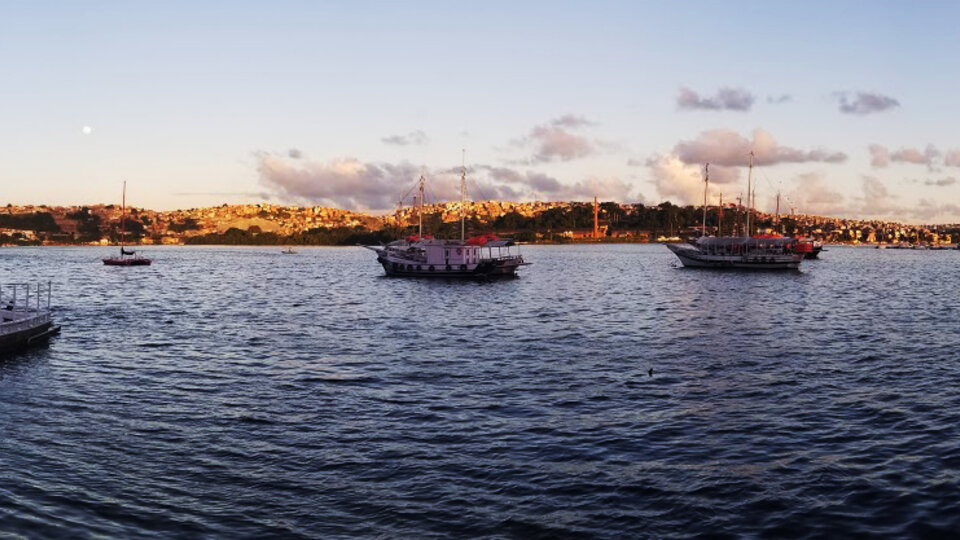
[[356, 185], [730, 99], [571, 121], [812, 194], [941, 182], [728, 148], [294, 153], [556, 140], [346, 182], [536, 185], [926, 210], [677, 181], [780, 99], [952, 158], [864, 102], [414, 138], [880, 156]]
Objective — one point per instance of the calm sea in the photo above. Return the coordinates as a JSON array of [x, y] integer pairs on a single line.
[[242, 393]]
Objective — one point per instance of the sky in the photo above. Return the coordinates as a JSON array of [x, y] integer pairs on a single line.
[[848, 107]]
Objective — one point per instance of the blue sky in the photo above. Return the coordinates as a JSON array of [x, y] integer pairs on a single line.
[[201, 103]]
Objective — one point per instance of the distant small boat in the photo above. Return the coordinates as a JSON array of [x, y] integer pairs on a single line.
[[128, 257], [289, 251], [25, 318]]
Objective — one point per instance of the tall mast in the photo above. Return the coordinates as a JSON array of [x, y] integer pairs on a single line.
[[778, 213], [749, 186], [420, 206], [463, 196], [123, 215], [720, 217], [706, 184]]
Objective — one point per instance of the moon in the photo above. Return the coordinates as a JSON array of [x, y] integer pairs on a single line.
[[86, 130]]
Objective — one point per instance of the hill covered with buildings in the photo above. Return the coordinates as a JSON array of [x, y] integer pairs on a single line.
[[268, 224]]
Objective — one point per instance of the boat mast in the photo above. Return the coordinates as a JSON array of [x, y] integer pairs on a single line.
[[749, 185], [123, 215], [720, 217], [463, 196], [420, 203], [706, 184], [778, 213]]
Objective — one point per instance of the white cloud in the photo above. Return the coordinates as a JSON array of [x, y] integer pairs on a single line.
[[881, 156], [730, 99], [414, 138], [728, 148], [862, 103]]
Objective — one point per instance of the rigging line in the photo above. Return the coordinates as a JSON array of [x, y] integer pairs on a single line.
[[480, 190], [409, 191]]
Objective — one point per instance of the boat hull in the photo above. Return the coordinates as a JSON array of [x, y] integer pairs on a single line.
[[691, 257], [34, 335], [116, 261], [500, 268]]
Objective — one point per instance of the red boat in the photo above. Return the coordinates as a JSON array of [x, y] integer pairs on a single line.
[[127, 257]]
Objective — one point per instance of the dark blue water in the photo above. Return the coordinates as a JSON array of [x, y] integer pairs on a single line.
[[243, 393]]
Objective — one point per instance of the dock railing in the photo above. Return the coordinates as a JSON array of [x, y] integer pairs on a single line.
[[22, 297]]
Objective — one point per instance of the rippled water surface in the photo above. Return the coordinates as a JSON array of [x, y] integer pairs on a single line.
[[238, 392]]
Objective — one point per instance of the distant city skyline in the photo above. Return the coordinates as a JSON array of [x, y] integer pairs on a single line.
[[848, 107]]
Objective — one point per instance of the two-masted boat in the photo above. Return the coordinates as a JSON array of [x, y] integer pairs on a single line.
[[766, 252], [740, 252], [422, 255], [128, 257], [25, 317]]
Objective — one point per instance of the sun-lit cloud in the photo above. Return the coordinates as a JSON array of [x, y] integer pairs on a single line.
[[881, 156], [414, 138], [940, 182], [560, 139], [812, 193], [952, 158], [677, 181], [728, 148], [862, 103], [345, 182], [729, 99], [377, 186]]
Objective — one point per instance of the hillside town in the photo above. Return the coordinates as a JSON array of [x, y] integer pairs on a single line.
[[529, 221]]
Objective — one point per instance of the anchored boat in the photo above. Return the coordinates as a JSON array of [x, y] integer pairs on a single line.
[[425, 256], [128, 257], [25, 317], [767, 252], [740, 252]]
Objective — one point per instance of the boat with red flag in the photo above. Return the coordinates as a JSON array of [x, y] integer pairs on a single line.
[[128, 257], [420, 255]]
